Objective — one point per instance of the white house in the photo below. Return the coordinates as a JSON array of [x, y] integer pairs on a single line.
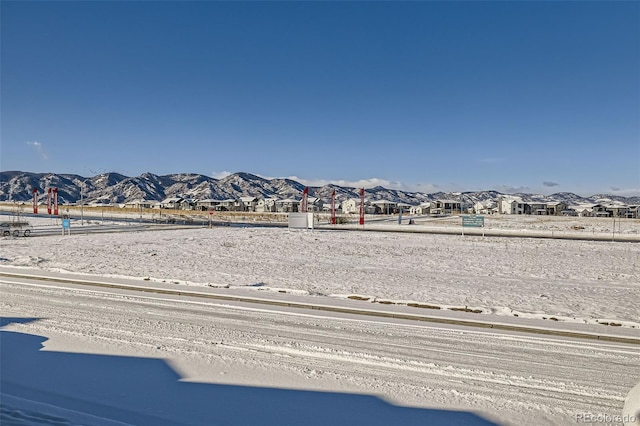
[[584, 211], [423, 208], [352, 205], [266, 205], [247, 204], [511, 206], [484, 207]]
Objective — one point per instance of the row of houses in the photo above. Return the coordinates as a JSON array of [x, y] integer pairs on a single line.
[[241, 204], [274, 205], [352, 206], [612, 210], [559, 208]]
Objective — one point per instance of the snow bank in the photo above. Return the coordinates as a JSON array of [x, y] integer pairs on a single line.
[[631, 410]]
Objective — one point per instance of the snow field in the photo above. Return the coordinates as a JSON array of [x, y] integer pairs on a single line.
[[559, 280]]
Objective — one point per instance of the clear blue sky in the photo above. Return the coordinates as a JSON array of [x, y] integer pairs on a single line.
[[533, 96]]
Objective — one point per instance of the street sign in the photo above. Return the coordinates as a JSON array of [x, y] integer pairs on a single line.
[[473, 221]]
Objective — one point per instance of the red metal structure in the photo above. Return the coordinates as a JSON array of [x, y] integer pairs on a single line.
[[305, 199], [49, 200], [362, 206], [55, 201], [35, 200], [333, 207]]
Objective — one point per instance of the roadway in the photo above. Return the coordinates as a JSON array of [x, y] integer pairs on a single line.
[[502, 376], [384, 224]]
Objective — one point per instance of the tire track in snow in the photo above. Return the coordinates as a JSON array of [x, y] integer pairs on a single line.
[[522, 374]]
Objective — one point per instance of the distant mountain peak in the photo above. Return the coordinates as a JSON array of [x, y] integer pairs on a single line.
[[116, 188], [246, 176]]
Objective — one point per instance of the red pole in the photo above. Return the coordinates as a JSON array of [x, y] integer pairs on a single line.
[[305, 197], [35, 200], [362, 206], [333, 207], [55, 201], [49, 200]]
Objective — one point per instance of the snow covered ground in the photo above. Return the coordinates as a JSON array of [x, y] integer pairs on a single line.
[[74, 355], [446, 375], [559, 280]]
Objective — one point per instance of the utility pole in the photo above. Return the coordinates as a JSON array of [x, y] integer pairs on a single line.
[[84, 182], [82, 204]]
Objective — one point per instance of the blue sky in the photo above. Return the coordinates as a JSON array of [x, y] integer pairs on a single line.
[[424, 96]]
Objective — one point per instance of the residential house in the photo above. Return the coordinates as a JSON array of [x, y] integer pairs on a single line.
[[187, 204], [350, 206], [170, 203], [288, 205], [227, 205], [555, 208], [535, 208], [600, 210], [610, 210], [439, 207], [583, 211], [266, 205], [618, 210], [326, 206], [569, 212], [384, 207], [207, 204], [423, 208], [247, 204], [511, 206], [138, 204], [403, 207], [314, 204], [484, 207]]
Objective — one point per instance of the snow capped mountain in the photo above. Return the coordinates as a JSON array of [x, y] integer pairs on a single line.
[[107, 179], [115, 188], [615, 199]]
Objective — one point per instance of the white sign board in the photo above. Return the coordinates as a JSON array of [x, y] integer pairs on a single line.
[[300, 220]]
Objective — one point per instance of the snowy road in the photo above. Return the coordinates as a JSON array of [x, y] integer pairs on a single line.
[[499, 377]]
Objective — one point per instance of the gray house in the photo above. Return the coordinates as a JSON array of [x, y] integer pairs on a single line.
[[171, 203]]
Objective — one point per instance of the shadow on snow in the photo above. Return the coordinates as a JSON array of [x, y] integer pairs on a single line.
[[65, 388]]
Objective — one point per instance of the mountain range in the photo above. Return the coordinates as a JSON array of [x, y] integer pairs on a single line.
[[114, 188]]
